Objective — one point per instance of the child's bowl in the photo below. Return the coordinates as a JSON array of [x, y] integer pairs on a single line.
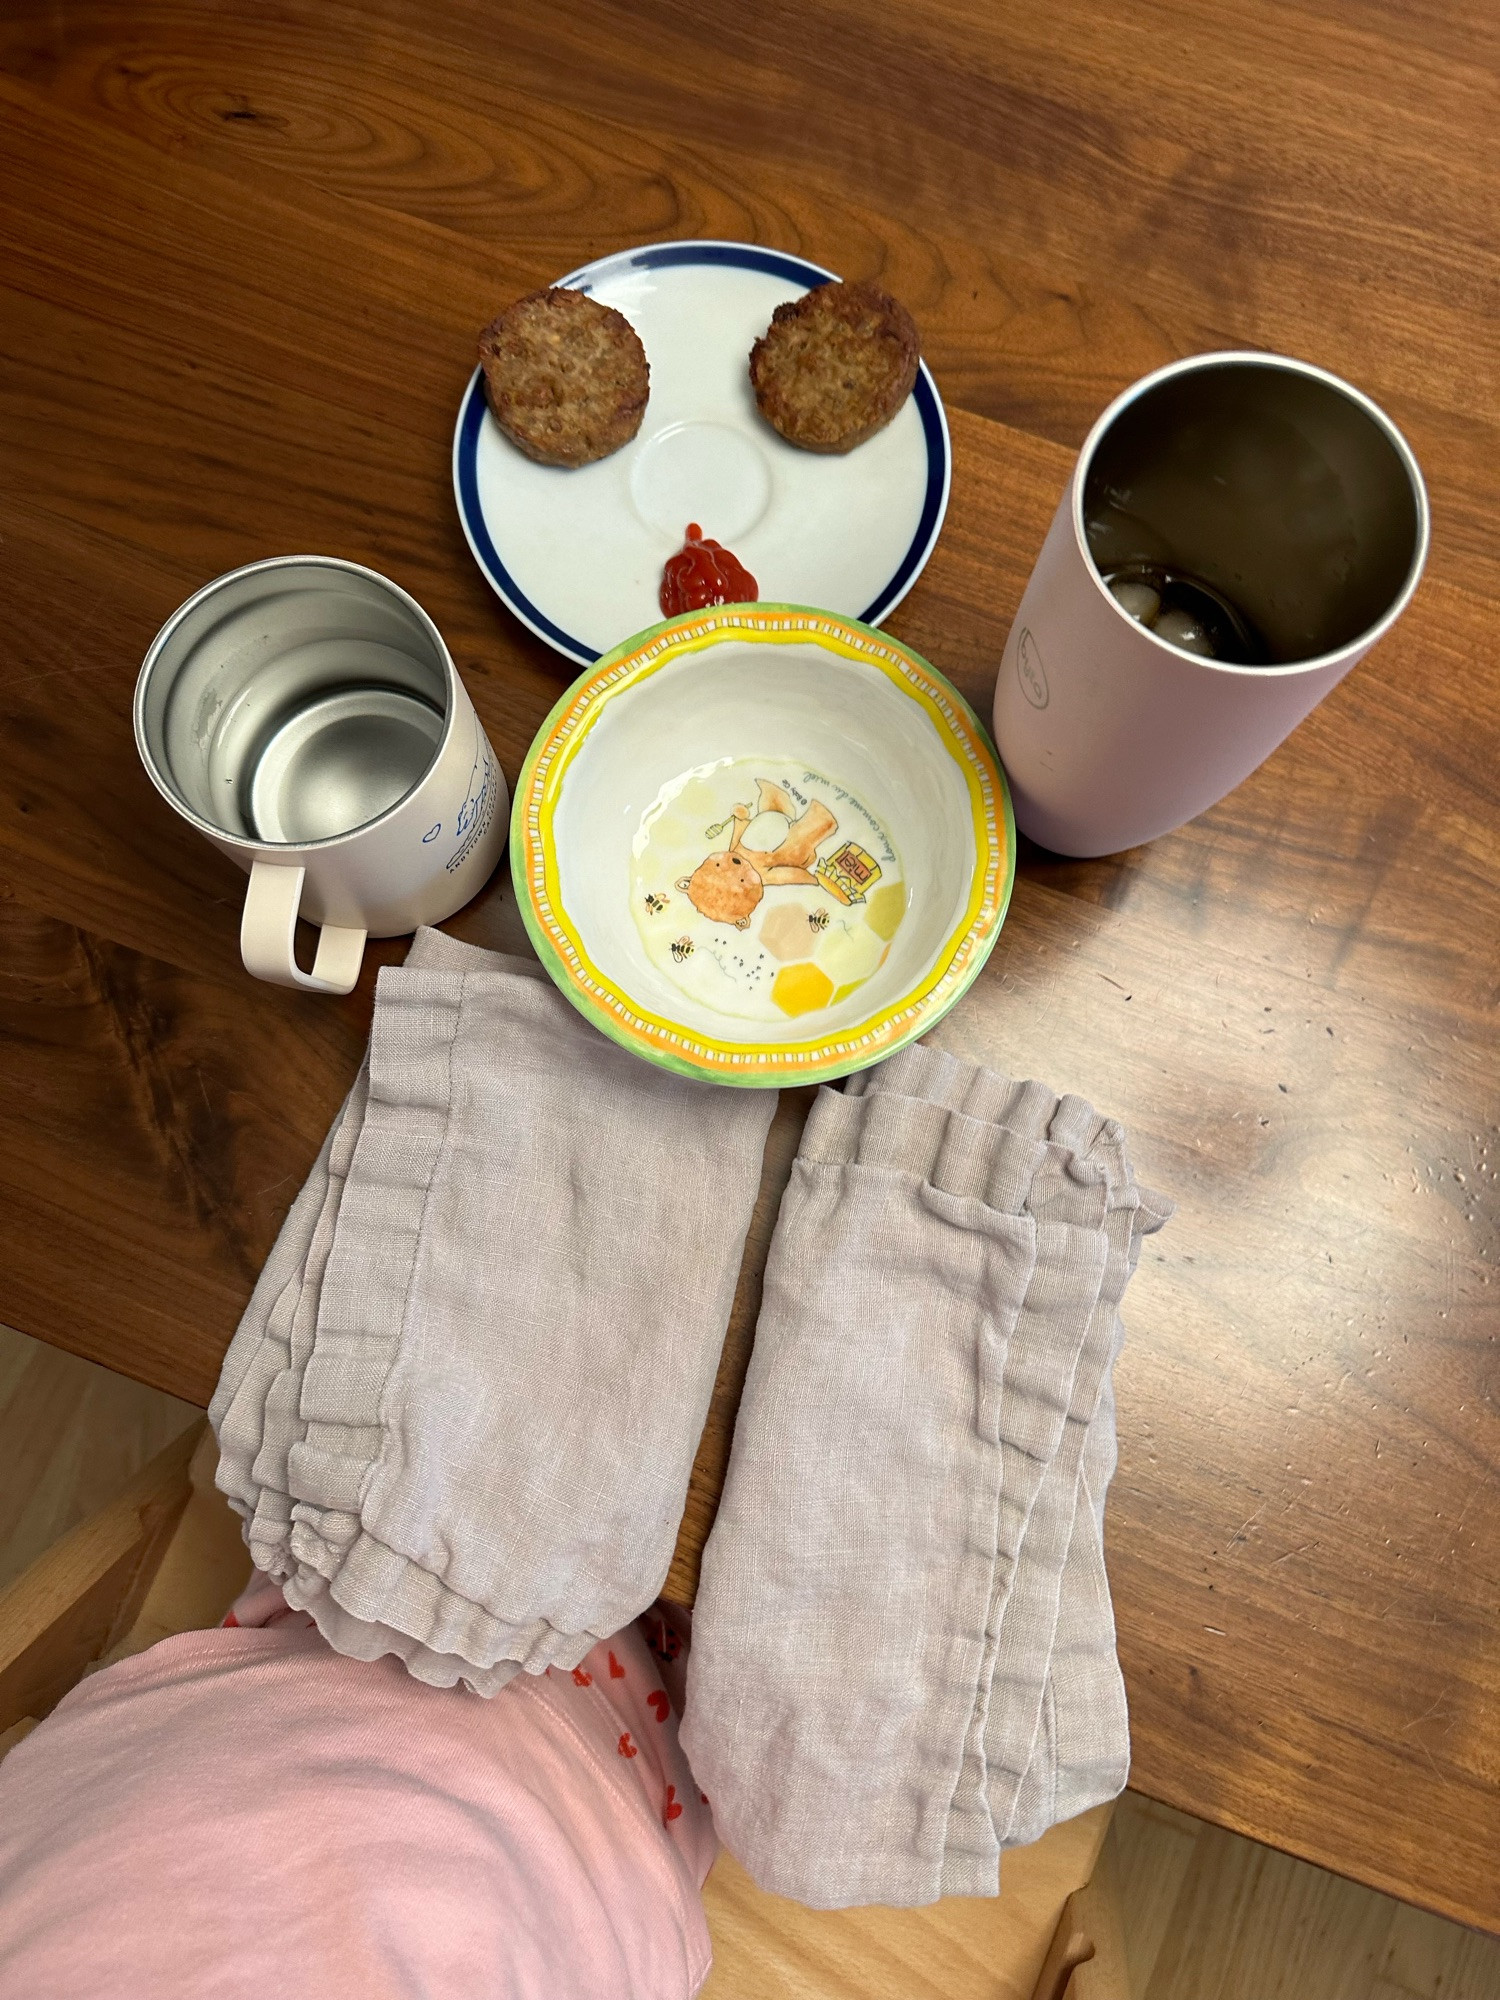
[[762, 844]]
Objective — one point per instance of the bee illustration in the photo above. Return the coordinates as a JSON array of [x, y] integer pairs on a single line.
[[682, 949], [818, 919], [656, 904]]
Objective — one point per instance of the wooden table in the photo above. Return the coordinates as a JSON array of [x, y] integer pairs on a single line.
[[247, 251]]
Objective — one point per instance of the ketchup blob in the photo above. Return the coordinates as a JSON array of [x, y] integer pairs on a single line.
[[702, 573]]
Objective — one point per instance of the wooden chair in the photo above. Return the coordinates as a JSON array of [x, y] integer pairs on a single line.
[[1087, 1956], [167, 1556], [1046, 1937]]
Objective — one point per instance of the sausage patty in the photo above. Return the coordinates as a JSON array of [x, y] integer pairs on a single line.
[[566, 377], [834, 366]]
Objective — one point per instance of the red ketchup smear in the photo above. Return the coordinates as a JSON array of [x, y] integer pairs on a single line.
[[703, 573]]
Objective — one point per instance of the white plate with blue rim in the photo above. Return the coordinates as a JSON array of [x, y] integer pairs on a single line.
[[577, 552]]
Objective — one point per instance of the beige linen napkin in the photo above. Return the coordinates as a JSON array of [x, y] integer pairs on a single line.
[[1081, 1754], [461, 1410], [901, 1532]]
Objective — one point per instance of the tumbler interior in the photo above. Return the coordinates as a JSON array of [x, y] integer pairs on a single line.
[[292, 703], [1278, 488]]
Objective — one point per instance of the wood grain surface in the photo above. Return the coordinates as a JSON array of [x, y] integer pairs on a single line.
[[247, 248], [78, 1597], [961, 1948], [71, 1436], [1209, 1916]]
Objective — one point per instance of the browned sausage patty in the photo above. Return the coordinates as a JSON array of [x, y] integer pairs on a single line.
[[566, 377], [834, 366]]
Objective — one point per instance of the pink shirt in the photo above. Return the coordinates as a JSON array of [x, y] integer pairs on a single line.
[[247, 1813]]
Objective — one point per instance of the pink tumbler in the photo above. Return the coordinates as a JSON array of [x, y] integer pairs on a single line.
[[1238, 531]]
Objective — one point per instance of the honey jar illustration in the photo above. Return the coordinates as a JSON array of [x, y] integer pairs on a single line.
[[848, 873]]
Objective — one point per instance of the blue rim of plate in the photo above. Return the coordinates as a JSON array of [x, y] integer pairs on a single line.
[[654, 257]]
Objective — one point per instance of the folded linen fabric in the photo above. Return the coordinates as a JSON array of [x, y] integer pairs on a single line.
[[903, 1652], [460, 1412]]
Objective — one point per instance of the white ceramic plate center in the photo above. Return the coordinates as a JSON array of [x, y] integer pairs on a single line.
[[701, 473]]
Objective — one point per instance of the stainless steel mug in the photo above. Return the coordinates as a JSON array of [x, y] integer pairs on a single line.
[[1284, 517], [305, 715]]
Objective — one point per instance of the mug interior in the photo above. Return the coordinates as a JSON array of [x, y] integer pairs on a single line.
[[1284, 492], [293, 702]]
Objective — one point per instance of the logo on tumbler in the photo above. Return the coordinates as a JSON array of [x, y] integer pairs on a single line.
[[1029, 670]]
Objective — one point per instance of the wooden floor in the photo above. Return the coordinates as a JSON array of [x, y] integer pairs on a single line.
[[1208, 1915]]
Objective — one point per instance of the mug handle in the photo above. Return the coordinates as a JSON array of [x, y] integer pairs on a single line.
[[269, 925]]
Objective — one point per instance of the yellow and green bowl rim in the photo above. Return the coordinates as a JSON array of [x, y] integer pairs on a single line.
[[769, 1064]]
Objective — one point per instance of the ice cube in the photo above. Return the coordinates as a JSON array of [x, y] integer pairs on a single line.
[[1137, 598], [1181, 628]]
